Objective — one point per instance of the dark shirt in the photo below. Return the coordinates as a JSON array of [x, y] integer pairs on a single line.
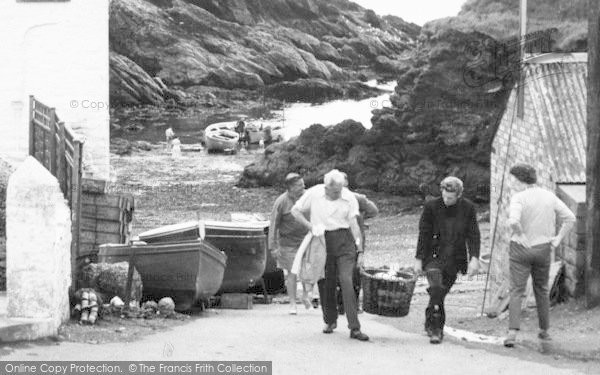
[[446, 233]]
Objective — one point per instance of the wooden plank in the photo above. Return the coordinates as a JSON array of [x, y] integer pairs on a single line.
[[62, 165], [53, 144], [102, 212], [31, 126], [99, 237], [592, 269], [76, 211], [103, 226], [236, 301], [101, 199]]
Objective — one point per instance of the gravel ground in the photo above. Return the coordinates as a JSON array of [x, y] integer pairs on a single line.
[[201, 185]]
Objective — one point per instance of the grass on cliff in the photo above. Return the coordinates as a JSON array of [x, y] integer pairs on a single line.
[[500, 20]]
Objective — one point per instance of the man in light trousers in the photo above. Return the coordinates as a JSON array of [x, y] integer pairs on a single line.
[[532, 218]]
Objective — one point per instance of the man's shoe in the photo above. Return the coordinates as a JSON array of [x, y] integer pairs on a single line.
[[357, 334], [315, 303], [510, 339], [429, 331], [435, 338], [543, 335], [329, 328]]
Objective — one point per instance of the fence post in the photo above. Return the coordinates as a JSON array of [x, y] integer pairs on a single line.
[[75, 208], [52, 163], [31, 126], [62, 162]]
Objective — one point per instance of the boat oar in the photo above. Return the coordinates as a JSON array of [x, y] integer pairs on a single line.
[[130, 276]]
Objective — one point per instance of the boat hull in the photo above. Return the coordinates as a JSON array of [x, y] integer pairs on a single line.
[[187, 271], [244, 244], [221, 136]]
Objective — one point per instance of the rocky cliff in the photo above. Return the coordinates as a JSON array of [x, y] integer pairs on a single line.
[[500, 20], [441, 122], [245, 44], [448, 101]]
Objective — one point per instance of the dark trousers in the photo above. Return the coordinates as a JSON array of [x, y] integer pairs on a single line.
[[339, 265], [440, 278], [355, 284], [523, 262]]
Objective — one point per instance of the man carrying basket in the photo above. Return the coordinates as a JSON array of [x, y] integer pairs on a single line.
[[448, 226]]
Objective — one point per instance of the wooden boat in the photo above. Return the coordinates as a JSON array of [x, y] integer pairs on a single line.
[[244, 243], [256, 132], [187, 271], [221, 136]]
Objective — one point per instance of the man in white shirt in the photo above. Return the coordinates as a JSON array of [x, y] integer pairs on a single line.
[[333, 213], [532, 218]]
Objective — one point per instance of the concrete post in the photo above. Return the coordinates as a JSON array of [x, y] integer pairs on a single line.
[[38, 242]]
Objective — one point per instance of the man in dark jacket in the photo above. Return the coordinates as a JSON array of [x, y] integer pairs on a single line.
[[448, 226]]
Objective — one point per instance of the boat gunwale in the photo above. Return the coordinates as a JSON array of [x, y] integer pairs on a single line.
[[144, 249]]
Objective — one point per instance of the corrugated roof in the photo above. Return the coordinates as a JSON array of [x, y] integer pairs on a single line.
[[557, 92]]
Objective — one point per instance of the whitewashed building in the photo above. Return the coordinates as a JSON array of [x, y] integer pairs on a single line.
[[58, 52]]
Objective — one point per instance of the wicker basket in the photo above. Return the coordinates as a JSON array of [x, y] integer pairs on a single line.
[[387, 297]]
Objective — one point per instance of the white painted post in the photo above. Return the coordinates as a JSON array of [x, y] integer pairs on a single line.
[[38, 242]]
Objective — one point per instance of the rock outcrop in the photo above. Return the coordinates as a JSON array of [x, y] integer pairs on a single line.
[[448, 101], [244, 44], [442, 122]]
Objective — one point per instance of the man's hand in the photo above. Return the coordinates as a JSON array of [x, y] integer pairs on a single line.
[[555, 242], [360, 260], [473, 267], [418, 266], [276, 252], [522, 240]]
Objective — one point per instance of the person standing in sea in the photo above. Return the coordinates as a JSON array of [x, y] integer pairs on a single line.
[[286, 234]]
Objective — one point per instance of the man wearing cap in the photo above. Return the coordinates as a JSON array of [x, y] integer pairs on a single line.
[[286, 233], [447, 228], [532, 219], [333, 210]]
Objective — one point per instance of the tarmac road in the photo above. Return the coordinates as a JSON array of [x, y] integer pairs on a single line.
[[296, 345]]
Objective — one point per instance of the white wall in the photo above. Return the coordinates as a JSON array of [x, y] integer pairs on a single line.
[[57, 51]]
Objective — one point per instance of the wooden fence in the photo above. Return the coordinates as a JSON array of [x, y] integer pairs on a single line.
[[58, 148]]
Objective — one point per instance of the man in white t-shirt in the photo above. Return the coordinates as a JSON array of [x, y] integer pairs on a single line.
[[333, 212], [532, 218]]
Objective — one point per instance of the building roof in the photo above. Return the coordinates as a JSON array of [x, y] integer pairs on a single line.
[[556, 89]]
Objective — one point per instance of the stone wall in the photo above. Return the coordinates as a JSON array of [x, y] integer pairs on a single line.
[[38, 244], [572, 252]]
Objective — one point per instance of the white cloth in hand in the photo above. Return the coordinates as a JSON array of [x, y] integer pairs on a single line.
[[318, 230]]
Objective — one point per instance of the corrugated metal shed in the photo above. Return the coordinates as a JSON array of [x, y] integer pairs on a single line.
[[556, 88]]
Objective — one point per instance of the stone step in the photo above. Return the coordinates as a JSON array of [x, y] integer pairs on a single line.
[[13, 330]]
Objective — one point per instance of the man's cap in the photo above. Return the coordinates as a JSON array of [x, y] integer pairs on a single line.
[[291, 177], [524, 173]]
